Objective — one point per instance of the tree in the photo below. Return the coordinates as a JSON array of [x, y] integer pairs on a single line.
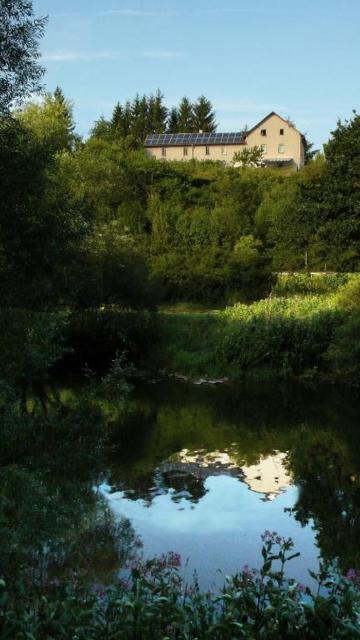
[[117, 119], [20, 72], [51, 121], [203, 115], [186, 116], [102, 129], [40, 229], [309, 152], [157, 113], [249, 157], [173, 121], [341, 227]]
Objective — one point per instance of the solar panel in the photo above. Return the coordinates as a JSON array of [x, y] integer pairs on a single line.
[[184, 139]]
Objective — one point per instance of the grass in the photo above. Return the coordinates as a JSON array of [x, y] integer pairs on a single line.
[[278, 337]]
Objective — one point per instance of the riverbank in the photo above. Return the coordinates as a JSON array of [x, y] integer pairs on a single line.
[[308, 328]]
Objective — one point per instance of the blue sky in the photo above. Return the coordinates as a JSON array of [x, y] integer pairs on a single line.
[[297, 57]]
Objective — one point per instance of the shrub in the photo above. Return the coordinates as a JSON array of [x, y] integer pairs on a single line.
[[153, 602], [307, 284]]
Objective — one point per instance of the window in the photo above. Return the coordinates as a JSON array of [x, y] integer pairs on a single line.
[[263, 132], [223, 151], [281, 132], [163, 152], [207, 151], [185, 151], [264, 148], [281, 148]]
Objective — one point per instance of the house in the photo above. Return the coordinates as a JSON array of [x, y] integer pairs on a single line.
[[281, 142]]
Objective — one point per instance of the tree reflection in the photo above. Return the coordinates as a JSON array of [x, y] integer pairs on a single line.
[[326, 466], [52, 522]]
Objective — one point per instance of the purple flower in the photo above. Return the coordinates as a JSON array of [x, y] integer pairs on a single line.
[[352, 574], [174, 559], [247, 573]]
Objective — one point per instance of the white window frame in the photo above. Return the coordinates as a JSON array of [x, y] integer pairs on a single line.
[[281, 148]]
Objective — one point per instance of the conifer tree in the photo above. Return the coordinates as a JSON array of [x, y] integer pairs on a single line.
[[186, 116], [157, 113], [173, 121], [140, 117], [204, 115], [117, 120], [127, 119]]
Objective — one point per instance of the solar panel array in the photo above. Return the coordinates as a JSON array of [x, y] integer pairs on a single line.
[[184, 139]]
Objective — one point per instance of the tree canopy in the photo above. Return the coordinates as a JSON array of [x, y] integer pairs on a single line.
[[20, 71]]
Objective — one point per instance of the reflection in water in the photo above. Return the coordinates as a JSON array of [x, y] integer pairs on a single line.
[[269, 477], [201, 471], [191, 462]]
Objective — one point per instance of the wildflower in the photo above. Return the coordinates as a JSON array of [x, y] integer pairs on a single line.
[[247, 572], [352, 574], [174, 559]]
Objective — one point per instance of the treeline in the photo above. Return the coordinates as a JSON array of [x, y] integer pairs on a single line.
[[85, 223], [133, 121]]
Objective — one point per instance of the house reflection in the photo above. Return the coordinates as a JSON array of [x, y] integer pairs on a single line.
[[183, 475]]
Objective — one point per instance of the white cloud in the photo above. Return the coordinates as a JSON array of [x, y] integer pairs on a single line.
[[135, 13], [91, 56], [138, 13], [142, 13]]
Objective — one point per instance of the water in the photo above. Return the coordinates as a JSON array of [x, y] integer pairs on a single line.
[[205, 470], [202, 471]]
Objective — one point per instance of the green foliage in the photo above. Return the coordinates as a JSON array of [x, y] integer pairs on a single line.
[[20, 32], [288, 285], [298, 335], [31, 344], [132, 122], [204, 116], [50, 122], [249, 157], [154, 602]]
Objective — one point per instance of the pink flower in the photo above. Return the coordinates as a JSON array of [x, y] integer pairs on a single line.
[[352, 574]]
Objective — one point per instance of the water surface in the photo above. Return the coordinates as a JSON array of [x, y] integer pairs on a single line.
[[200, 470], [205, 470]]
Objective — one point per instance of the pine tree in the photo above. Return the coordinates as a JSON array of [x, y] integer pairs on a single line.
[[157, 113], [127, 119], [186, 116], [173, 121], [140, 118], [117, 120], [204, 115]]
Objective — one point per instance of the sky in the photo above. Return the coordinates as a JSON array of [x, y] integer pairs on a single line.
[[299, 58]]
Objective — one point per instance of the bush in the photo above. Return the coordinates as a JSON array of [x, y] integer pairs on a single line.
[[306, 284], [288, 336], [343, 354], [153, 602]]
